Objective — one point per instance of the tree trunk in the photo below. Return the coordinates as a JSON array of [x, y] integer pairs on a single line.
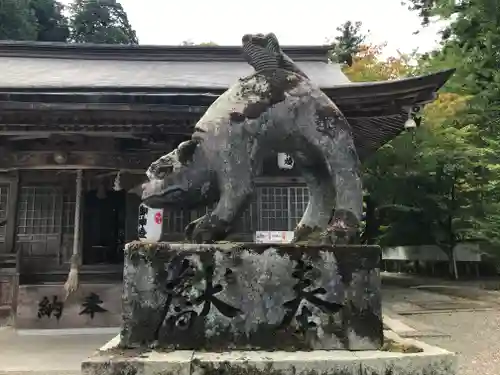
[[371, 223], [453, 263], [452, 240]]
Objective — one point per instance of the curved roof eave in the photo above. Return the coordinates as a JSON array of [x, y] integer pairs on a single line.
[[376, 111]]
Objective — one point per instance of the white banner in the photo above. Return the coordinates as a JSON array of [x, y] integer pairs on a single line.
[[273, 236], [150, 224]]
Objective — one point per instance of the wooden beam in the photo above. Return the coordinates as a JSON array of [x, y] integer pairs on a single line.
[[100, 107], [79, 160], [101, 125], [23, 136]]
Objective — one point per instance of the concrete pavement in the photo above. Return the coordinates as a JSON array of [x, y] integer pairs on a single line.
[[473, 335], [44, 354], [51, 352], [470, 327]]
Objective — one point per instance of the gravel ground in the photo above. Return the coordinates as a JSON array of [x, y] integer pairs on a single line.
[[474, 336]]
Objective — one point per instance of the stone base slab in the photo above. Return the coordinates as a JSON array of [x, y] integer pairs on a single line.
[[92, 306], [110, 360], [246, 296]]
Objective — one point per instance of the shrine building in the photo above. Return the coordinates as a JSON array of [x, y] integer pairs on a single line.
[[80, 124]]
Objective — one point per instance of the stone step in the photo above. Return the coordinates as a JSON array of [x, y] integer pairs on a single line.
[[403, 357], [42, 372]]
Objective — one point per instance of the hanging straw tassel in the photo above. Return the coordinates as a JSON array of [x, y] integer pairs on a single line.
[[71, 285]]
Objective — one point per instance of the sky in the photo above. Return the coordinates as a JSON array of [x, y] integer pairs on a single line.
[[311, 22]]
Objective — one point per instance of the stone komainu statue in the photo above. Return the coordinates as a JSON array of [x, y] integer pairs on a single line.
[[276, 109]]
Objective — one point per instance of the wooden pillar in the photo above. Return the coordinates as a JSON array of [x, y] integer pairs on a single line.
[[78, 215], [11, 225], [12, 278]]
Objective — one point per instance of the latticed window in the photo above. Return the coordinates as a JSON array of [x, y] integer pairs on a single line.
[[45, 210], [273, 209], [68, 212], [298, 198], [281, 208], [175, 220], [40, 210]]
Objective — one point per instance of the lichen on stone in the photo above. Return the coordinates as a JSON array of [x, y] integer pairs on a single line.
[[399, 347], [306, 235], [245, 368], [250, 296]]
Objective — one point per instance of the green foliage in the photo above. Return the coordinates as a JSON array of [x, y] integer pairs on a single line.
[[17, 21], [368, 66], [471, 40], [92, 21], [34, 20], [52, 24], [470, 43], [428, 9], [100, 21], [434, 186], [440, 184]]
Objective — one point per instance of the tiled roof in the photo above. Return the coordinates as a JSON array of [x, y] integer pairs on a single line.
[[53, 65], [142, 78], [35, 72]]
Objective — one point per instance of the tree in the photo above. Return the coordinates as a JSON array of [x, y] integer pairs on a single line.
[[99, 21], [17, 21], [429, 186], [52, 25], [427, 9], [442, 186], [470, 43], [36, 20], [443, 183], [368, 65], [347, 43]]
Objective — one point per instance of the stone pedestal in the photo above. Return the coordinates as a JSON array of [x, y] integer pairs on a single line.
[[251, 297], [423, 359], [253, 309]]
